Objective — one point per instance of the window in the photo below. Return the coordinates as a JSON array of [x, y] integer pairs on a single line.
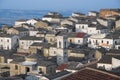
[[96, 41], [7, 47], [102, 41], [59, 44], [59, 59], [70, 41], [40, 69], [118, 47], [1, 46], [22, 42], [1, 40], [107, 42], [82, 27], [7, 40], [51, 70], [90, 41], [78, 41], [27, 69], [65, 53], [115, 42], [17, 40], [98, 32], [65, 44], [16, 67], [54, 52], [50, 39]]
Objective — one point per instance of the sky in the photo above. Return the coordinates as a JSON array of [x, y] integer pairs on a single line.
[[75, 5]]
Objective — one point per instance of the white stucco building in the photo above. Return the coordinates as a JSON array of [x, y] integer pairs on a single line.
[[32, 21], [52, 17], [25, 42], [77, 14], [107, 41], [109, 62], [33, 32], [26, 21], [81, 27], [90, 28], [97, 29], [93, 13], [80, 38], [8, 42], [20, 22]]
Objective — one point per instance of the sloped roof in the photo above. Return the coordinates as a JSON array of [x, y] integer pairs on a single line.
[[80, 35], [31, 38], [62, 67], [91, 74], [21, 29], [59, 74]]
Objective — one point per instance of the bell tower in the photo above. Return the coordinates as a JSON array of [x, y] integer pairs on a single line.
[[62, 52]]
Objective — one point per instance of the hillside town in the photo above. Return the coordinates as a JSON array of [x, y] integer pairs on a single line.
[[54, 47]]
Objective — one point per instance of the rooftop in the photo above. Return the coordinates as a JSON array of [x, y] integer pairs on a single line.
[[57, 75], [45, 63], [62, 67], [52, 16], [113, 35], [113, 52], [35, 56], [31, 38], [91, 74], [6, 35], [28, 63], [21, 29], [45, 45], [107, 59], [74, 65], [80, 35]]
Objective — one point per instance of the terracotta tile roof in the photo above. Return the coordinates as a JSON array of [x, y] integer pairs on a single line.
[[91, 74], [62, 67], [80, 35]]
